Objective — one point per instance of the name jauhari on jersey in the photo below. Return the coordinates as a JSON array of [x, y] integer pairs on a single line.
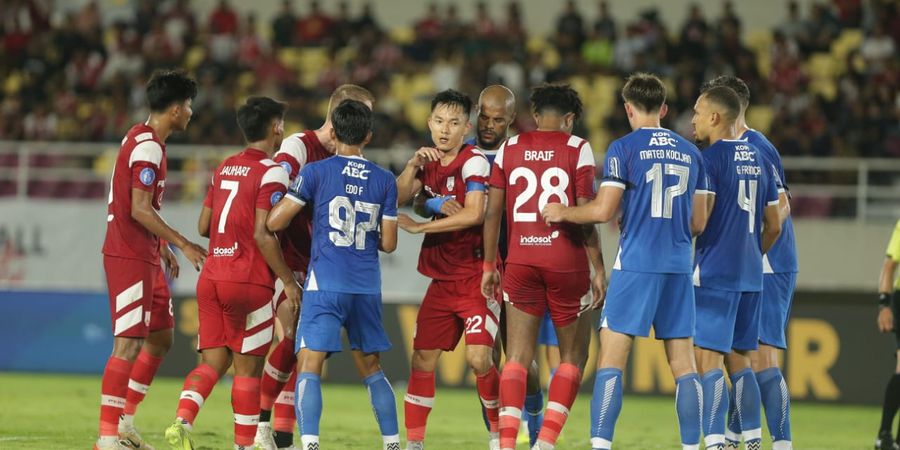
[[235, 171], [674, 155]]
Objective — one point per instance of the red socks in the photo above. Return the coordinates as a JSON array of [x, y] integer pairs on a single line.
[[142, 374], [489, 390], [561, 396], [512, 400], [276, 373], [197, 387], [285, 415], [112, 395], [418, 403], [245, 403]]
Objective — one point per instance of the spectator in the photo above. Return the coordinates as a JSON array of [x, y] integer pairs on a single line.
[[508, 72], [223, 19], [570, 28], [179, 23], [877, 49], [793, 27], [693, 34], [40, 124], [315, 28], [250, 44], [605, 26], [284, 25], [483, 25], [367, 20]]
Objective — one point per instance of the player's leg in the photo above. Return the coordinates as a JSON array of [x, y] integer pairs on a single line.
[[778, 292], [130, 284], [713, 337], [481, 325], [548, 339], [743, 380], [319, 333], [890, 405], [534, 403]]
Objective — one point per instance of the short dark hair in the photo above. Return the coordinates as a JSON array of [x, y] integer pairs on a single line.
[[167, 87], [560, 98], [352, 122], [726, 98], [256, 115], [736, 84], [452, 97], [644, 90]]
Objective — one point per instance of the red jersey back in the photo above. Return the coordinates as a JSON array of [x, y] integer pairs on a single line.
[[141, 164], [242, 184], [455, 255], [537, 168], [298, 150]]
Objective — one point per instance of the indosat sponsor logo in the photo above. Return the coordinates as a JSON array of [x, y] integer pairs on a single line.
[[225, 251], [539, 240]]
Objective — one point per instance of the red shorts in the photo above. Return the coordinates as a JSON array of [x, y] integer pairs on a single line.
[[451, 306], [139, 300], [535, 290], [239, 316]]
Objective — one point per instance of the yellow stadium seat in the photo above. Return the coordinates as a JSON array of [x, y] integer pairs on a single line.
[[417, 114], [823, 66], [403, 35], [849, 40], [581, 85], [760, 117], [13, 83], [290, 57], [194, 57], [826, 88], [759, 40], [536, 43]]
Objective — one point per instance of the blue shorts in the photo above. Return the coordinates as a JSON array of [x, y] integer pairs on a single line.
[[726, 320], [323, 314], [637, 300], [775, 308], [547, 335]]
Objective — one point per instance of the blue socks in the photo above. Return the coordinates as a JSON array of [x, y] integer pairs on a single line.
[[606, 404], [384, 406], [308, 404], [689, 406], [747, 406], [534, 406], [715, 407], [777, 401], [733, 429]]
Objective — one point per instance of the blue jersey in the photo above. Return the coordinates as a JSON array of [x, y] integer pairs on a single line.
[[782, 257], [729, 252], [660, 172], [349, 197]]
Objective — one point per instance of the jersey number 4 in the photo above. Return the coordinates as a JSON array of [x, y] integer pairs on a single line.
[[349, 231], [548, 189], [661, 199]]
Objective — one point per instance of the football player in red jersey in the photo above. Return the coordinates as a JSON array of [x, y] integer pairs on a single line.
[[235, 289], [546, 266], [139, 301], [278, 379], [451, 256]]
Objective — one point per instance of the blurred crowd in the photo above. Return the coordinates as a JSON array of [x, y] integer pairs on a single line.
[[824, 82]]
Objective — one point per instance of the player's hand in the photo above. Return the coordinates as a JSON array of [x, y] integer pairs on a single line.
[[195, 254], [885, 319], [598, 290], [407, 224], [292, 295], [451, 207], [170, 260], [553, 213], [423, 156], [490, 281]]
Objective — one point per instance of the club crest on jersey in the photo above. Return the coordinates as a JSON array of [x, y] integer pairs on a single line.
[[451, 182], [286, 166], [147, 176], [276, 196]]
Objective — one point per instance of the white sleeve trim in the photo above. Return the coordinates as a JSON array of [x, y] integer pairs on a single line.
[[513, 140], [275, 174], [772, 203], [574, 141], [388, 217], [585, 155], [295, 199], [294, 147], [615, 184], [498, 160], [703, 192], [476, 166], [148, 151], [782, 190]]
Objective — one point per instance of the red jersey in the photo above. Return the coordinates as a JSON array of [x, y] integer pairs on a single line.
[[537, 168], [298, 150], [242, 184], [454, 255], [141, 164]]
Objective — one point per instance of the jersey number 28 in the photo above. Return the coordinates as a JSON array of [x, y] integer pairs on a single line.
[[548, 189]]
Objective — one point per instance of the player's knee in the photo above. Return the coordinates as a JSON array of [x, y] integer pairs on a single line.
[[533, 382], [127, 348], [424, 361], [480, 360], [159, 343]]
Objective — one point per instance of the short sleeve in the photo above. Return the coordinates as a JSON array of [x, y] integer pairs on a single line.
[[771, 189], [292, 155], [585, 170], [389, 210], [893, 249], [498, 175], [712, 172], [144, 163], [475, 172], [272, 187], [615, 173], [302, 188], [702, 177], [207, 201]]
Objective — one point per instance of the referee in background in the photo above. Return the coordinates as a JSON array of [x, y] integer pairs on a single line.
[[887, 321]]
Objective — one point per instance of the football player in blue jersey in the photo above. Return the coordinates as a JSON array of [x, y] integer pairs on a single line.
[[779, 279], [658, 179], [354, 216], [743, 225]]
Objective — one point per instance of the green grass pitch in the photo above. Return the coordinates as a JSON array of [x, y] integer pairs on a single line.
[[60, 412]]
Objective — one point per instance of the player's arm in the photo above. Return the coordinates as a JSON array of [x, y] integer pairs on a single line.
[[784, 206], [388, 242], [407, 183], [492, 217], [203, 222], [142, 212], [471, 215], [700, 212], [599, 210], [271, 251], [595, 255], [771, 227], [282, 213], [886, 282]]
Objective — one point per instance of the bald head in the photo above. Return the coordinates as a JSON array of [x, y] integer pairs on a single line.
[[496, 111]]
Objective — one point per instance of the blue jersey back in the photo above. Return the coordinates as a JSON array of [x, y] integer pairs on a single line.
[[349, 196], [660, 171], [782, 257], [729, 252]]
